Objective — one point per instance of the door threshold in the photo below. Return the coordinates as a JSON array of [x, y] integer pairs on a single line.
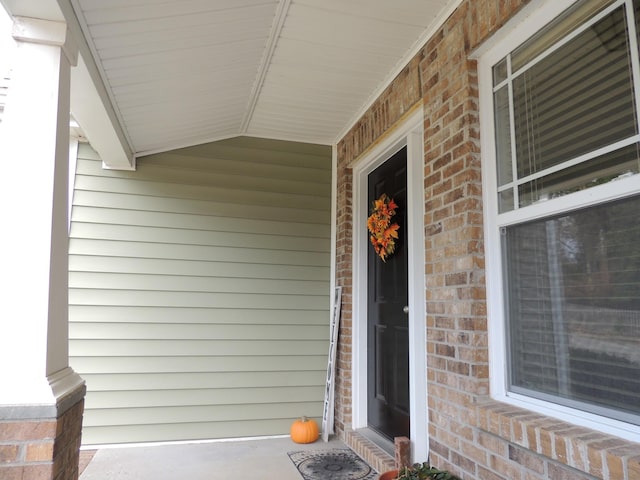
[[381, 441], [370, 452]]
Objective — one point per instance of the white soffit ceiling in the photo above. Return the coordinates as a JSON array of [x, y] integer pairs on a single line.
[[186, 72]]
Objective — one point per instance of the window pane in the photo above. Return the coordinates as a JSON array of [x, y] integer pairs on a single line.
[[555, 31], [503, 136], [505, 201], [597, 171], [576, 100], [500, 71], [572, 285]]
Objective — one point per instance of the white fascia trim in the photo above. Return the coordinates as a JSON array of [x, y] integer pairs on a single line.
[[410, 133], [89, 110], [92, 105], [404, 61]]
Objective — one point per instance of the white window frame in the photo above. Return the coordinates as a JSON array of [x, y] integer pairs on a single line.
[[525, 24]]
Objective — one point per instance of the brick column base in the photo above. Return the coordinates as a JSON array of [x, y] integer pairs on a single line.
[[38, 447]]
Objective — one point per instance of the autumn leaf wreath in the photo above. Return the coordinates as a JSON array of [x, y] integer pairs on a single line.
[[383, 232]]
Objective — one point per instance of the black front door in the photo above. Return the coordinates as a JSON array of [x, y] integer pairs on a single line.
[[387, 320]]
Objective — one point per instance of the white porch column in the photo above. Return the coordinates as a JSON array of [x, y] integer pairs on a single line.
[[35, 378]]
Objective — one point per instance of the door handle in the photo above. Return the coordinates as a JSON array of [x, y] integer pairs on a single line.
[[405, 309]]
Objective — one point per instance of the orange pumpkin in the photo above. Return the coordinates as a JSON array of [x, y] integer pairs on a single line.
[[304, 430]]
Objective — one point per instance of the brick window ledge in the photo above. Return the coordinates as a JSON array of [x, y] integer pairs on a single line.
[[598, 454]]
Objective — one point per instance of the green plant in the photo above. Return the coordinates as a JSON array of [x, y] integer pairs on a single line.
[[424, 471]]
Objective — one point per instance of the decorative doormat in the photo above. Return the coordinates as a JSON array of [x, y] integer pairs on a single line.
[[335, 464]]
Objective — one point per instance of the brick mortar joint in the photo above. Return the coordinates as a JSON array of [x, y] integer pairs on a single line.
[[541, 423]]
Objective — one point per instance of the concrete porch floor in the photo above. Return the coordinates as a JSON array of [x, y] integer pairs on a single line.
[[262, 459]]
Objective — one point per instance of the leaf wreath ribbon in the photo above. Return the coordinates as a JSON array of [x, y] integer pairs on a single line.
[[383, 232]]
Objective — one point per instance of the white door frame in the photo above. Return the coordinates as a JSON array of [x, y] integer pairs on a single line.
[[410, 133]]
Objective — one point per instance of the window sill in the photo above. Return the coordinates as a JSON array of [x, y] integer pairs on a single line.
[[598, 454]]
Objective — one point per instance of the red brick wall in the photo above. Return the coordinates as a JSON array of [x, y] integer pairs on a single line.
[[468, 433], [396, 100], [42, 449]]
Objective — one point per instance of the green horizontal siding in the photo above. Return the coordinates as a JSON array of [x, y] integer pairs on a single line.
[[251, 381], [246, 220], [201, 183], [199, 332], [199, 291], [194, 413], [157, 314], [108, 434], [97, 296], [305, 198], [198, 252], [174, 398], [128, 233], [202, 348], [183, 283], [164, 364], [155, 266]]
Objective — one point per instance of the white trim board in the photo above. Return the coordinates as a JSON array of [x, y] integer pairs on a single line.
[[409, 133], [420, 43]]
